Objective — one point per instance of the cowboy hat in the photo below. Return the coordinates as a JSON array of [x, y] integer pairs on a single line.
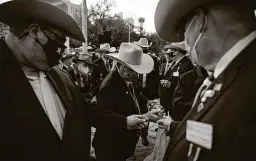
[[112, 49], [170, 16], [67, 56], [83, 58], [90, 48], [132, 56], [176, 46], [12, 12], [143, 42], [104, 48]]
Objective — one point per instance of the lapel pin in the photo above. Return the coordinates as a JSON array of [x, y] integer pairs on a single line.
[[217, 87], [200, 107]]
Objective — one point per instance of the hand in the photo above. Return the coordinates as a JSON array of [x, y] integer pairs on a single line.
[[166, 83], [94, 100], [136, 122], [154, 115], [165, 122]]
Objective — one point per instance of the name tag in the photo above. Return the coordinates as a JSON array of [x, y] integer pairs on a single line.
[[200, 133], [175, 74]]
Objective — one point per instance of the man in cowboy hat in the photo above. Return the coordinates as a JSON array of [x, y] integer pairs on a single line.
[[84, 76], [177, 63], [150, 82], [43, 116], [118, 93], [220, 36], [103, 63]]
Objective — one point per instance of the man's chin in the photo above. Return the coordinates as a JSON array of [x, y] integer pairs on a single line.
[[40, 67]]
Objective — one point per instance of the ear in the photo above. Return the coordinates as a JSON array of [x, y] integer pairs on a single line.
[[33, 29]]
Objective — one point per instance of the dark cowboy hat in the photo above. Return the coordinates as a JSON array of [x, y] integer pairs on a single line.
[[84, 61], [13, 12], [171, 15], [82, 58], [65, 57], [176, 46]]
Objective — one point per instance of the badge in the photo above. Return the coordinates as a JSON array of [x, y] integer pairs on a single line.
[[176, 74], [217, 87], [199, 133]]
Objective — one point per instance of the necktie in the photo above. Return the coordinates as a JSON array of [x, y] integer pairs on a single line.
[[168, 66], [206, 84], [132, 92]]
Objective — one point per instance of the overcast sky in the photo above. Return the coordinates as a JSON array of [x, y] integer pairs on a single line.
[[134, 9]]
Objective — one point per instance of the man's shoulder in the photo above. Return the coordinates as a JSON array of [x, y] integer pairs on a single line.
[[108, 80]]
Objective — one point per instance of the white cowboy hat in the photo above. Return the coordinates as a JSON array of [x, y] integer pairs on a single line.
[[177, 46], [143, 42], [11, 12], [135, 42], [132, 56], [104, 47], [171, 15], [112, 49]]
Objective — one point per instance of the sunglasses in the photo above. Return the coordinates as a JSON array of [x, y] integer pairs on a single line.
[[55, 37]]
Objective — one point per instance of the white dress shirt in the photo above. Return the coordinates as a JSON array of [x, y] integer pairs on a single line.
[[49, 100]]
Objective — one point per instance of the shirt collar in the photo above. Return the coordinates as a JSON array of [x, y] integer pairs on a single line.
[[33, 78], [233, 53]]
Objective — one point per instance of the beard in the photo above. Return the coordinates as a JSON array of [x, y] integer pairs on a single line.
[[34, 56], [129, 75]]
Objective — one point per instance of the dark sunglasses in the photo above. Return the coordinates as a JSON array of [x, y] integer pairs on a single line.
[[55, 37]]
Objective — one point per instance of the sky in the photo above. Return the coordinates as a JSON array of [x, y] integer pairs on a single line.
[[133, 9]]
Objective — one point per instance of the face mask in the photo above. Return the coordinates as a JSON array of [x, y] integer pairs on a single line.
[[192, 51], [129, 75], [53, 51]]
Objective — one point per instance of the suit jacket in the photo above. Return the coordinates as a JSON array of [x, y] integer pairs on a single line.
[[165, 93], [27, 133], [152, 82], [99, 73], [231, 111], [185, 92], [114, 96]]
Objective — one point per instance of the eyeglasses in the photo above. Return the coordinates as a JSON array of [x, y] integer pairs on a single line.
[[55, 37], [168, 51]]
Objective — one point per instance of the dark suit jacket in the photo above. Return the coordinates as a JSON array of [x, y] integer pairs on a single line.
[[114, 96], [165, 93], [27, 133], [185, 92], [231, 111], [99, 73], [152, 82]]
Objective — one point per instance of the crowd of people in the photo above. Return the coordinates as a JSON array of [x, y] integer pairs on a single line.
[[202, 94]]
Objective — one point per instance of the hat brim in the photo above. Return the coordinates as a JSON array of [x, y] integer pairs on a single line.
[[170, 46], [144, 46], [145, 67], [172, 15], [84, 61], [102, 50], [13, 12]]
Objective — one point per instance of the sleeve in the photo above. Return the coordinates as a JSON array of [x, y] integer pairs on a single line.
[[187, 67], [103, 115], [181, 104], [173, 127]]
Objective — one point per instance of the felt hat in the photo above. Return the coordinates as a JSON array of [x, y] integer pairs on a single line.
[[132, 56]]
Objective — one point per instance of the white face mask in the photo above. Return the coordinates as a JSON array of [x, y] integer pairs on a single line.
[[192, 51]]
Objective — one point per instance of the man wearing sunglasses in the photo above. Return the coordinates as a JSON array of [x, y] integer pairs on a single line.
[[176, 63], [43, 115]]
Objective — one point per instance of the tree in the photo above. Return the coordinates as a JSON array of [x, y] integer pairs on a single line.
[[100, 20]]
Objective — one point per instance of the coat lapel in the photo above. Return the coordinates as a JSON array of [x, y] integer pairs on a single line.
[[21, 92], [226, 79], [63, 91]]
